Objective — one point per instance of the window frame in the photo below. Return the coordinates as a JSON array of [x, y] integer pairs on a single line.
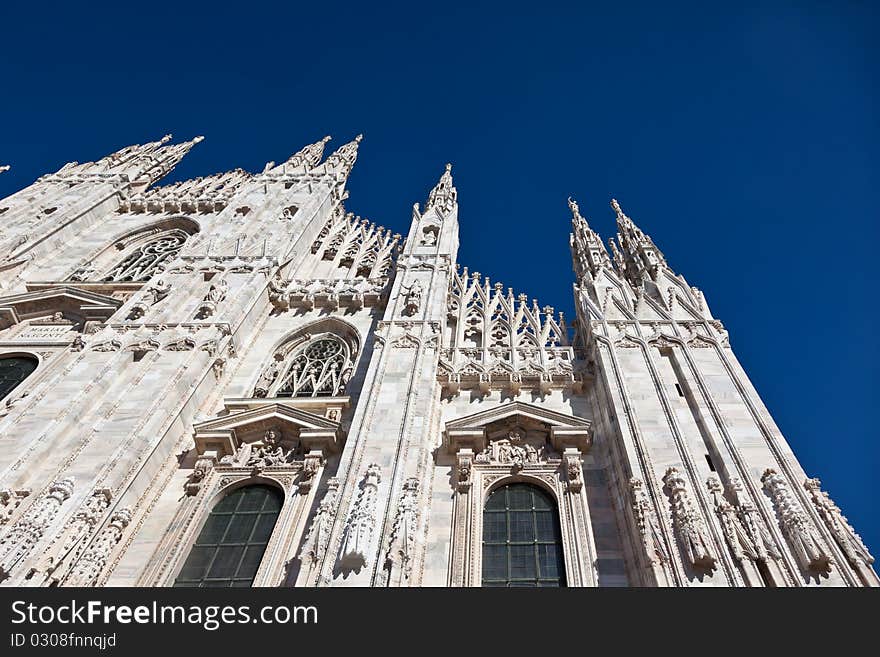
[[19, 356], [510, 542], [216, 510]]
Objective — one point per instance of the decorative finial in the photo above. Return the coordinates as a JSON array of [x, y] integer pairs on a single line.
[[5, 167], [198, 139], [326, 139], [573, 206], [448, 167], [357, 140], [165, 139]]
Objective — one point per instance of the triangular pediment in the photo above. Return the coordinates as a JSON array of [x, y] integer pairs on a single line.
[[472, 431], [80, 304], [518, 408], [286, 414], [225, 434]]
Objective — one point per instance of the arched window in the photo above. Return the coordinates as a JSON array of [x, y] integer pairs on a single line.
[[230, 546], [14, 370], [319, 369], [145, 260], [522, 540]]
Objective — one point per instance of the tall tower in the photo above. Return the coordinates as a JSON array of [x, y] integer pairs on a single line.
[[710, 490]]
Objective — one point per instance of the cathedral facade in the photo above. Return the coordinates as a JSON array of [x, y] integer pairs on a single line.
[[233, 381]]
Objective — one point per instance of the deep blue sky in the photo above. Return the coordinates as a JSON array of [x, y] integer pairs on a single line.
[[744, 140]]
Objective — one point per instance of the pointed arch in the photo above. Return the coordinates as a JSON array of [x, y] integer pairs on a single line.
[[316, 360], [145, 251]]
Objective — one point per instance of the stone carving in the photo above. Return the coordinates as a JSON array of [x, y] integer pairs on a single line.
[[54, 564], [850, 542], [215, 296], [796, 526], [318, 538], [10, 499], [27, 532], [513, 450], [311, 466], [158, 291], [84, 273], [429, 236], [88, 569], [649, 527], [464, 470], [413, 299], [444, 196], [687, 521], [278, 296], [574, 470], [744, 532], [268, 376], [268, 452], [400, 549], [361, 522], [203, 466], [57, 318]]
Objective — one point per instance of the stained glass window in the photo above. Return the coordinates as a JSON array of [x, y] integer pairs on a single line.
[[231, 544], [522, 540]]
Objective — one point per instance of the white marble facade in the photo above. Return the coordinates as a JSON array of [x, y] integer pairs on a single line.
[[174, 344]]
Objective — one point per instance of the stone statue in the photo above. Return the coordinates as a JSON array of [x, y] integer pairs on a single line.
[[413, 299], [158, 291]]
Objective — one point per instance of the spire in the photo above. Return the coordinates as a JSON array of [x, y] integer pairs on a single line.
[[345, 156], [587, 251], [160, 160], [444, 196], [309, 156], [640, 255]]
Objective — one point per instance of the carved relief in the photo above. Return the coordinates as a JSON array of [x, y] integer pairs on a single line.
[[850, 543], [27, 532], [413, 298], [649, 527], [400, 549], [361, 522], [267, 377], [318, 538], [796, 526], [203, 466], [743, 530], [463, 469], [278, 296], [311, 466], [215, 296], [268, 452], [88, 569], [10, 499], [54, 564], [687, 522], [573, 470], [515, 450]]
